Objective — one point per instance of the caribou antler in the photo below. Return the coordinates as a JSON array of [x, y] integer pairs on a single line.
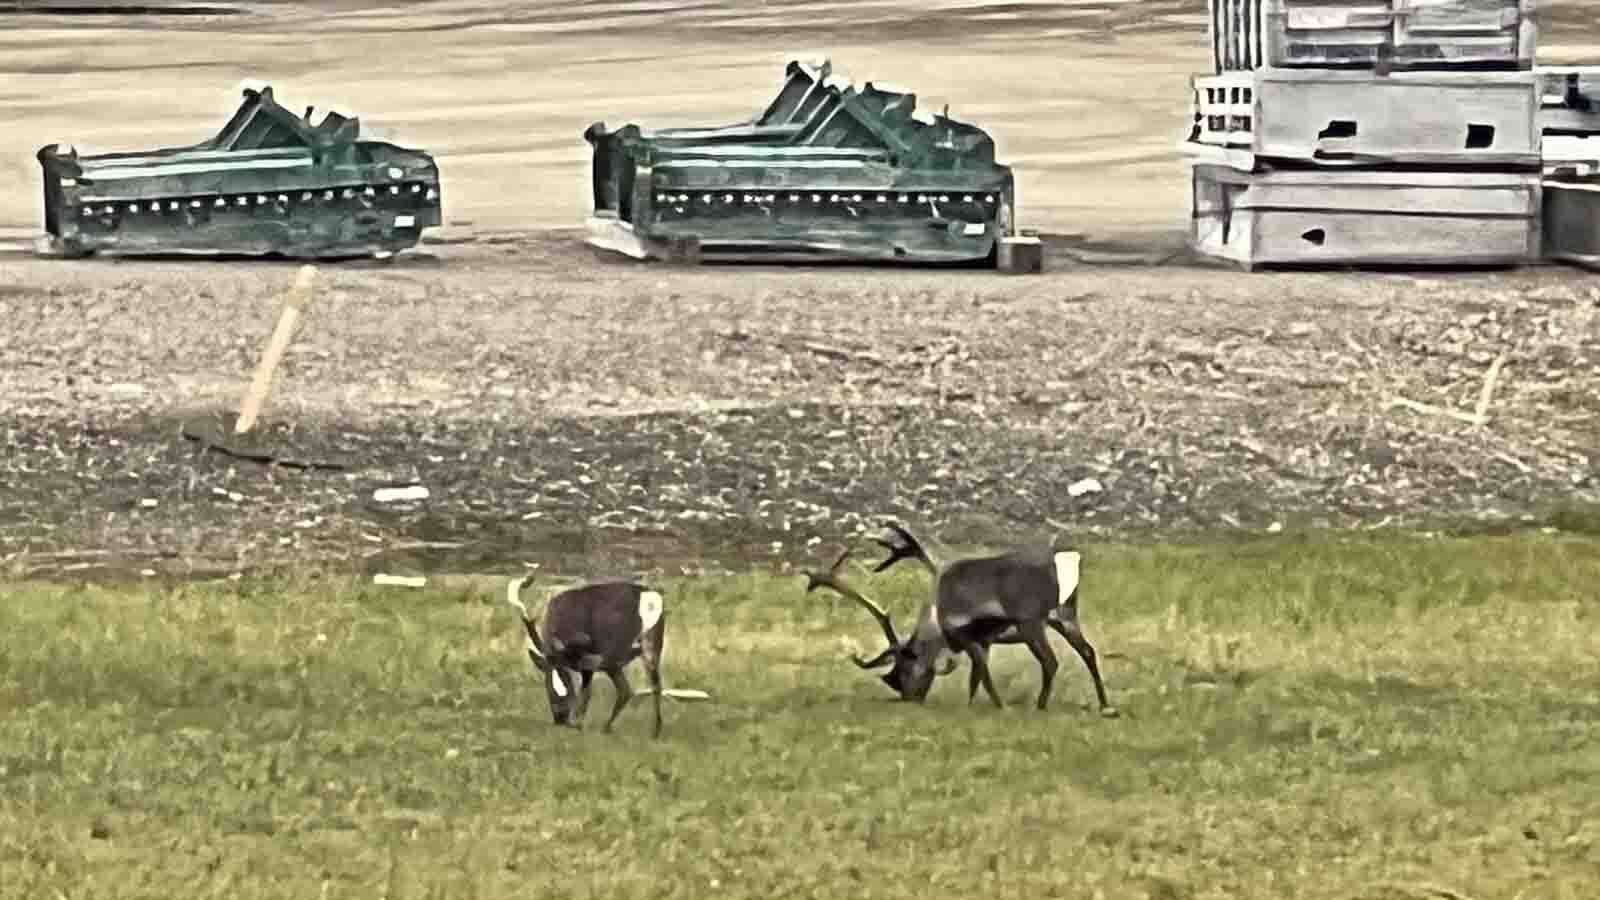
[[535, 646], [831, 579], [901, 544]]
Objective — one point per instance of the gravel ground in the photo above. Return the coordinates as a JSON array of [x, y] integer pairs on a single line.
[[565, 410], [559, 406]]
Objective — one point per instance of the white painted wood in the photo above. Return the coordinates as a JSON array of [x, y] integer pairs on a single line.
[[1251, 34], [293, 306], [1571, 154], [1361, 179], [1023, 255], [607, 232], [1564, 92], [676, 693], [1197, 154], [414, 581], [1349, 217], [1365, 237], [1357, 118], [1431, 193], [400, 494]]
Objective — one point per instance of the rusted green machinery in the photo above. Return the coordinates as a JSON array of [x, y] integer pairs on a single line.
[[269, 183], [827, 171]]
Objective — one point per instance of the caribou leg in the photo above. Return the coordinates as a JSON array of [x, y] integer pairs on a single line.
[[1074, 636], [619, 680], [584, 687], [979, 655], [1033, 634], [653, 650], [655, 684]]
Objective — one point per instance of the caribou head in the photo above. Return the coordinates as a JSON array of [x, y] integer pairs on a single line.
[[560, 684], [915, 661]]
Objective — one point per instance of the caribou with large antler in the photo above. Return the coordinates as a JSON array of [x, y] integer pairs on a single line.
[[1008, 598]]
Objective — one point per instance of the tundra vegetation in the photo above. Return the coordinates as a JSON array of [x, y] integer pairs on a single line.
[[1374, 717]]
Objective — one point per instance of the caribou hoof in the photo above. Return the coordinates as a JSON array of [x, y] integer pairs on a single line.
[[1110, 712]]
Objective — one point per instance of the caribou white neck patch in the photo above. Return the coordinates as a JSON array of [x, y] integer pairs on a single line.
[[1067, 563], [557, 683], [650, 606]]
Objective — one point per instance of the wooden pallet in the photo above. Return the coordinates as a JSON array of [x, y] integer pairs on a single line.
[[1334, 118], [1364, 217], [1402, 34], [1569, 100]]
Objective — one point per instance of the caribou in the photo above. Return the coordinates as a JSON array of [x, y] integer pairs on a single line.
[[599, 627], [1006, 598]]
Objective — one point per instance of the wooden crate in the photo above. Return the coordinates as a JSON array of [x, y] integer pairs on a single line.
[[1356, 217], [1569, 100], [1358, 118], [1405, 34], [1571, 156], [1571, 220]]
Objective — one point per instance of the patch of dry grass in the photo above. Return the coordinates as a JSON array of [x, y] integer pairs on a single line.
[[1381, 718]]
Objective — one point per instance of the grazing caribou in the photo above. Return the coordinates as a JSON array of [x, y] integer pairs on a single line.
[[599, 627], [1008, 598]]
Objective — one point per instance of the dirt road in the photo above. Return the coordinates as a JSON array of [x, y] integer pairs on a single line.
[[560, 406]]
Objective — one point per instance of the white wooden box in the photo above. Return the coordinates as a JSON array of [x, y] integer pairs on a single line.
[[1571, 220], [1359, 118], [1571, 156], [1352, 217], [1569, 100], [1249, 34]]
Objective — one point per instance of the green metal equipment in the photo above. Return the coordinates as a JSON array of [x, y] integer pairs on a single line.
[[269, 183], [827, 171]]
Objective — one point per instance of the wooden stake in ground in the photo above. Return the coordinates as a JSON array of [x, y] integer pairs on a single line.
[[1481, 414], [250, 407]]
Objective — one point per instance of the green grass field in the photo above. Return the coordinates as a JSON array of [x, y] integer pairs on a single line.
[[1375, 718]]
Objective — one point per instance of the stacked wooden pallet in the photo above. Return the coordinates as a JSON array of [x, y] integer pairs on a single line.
[[1569, 119], [1385, 131]]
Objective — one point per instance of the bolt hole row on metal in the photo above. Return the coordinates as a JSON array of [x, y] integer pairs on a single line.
[[830, 169], [278, 203]]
